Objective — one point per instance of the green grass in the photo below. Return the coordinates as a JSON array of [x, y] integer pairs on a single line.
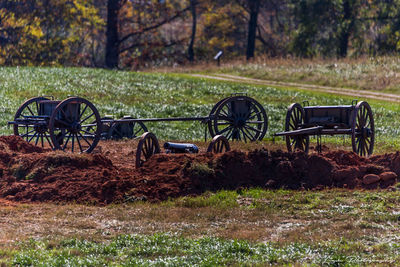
[[144, 95], [244, 227], [338, 228], [170, 250]]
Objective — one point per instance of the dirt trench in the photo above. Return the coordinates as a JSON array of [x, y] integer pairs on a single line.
[[32, 174]]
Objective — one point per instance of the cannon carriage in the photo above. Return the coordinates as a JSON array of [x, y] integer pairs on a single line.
[[74, 124], [355, 120]]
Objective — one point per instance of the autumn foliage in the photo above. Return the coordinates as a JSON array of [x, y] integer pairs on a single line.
[[132, 34]]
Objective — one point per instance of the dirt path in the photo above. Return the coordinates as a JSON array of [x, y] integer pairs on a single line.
[[311, 87]]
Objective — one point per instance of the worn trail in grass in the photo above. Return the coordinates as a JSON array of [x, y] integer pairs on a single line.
[[318, 88]]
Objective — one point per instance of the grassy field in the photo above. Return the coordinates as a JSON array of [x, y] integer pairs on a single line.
[[144, 95], [243, 227]]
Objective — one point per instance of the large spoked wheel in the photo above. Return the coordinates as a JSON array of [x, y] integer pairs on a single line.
[[131, 130], [75, 125], [219, 144], [239, 118], [363, 130], [38, 133], [148, 146], [294, 121]]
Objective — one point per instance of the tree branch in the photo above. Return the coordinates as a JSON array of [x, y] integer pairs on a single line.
[[157, 44], [155, 26]]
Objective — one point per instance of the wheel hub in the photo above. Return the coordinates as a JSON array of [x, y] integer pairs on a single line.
[[365, 132], [239, 122], [75, 127]]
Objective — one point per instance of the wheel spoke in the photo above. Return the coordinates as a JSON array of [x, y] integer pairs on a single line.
[[85, 119], [291, 124], [29, 109], [224, 123], [26, 134], [84, 138], [252, 136], [152, 148], [79, 143], [225, 129], [48, 140], [218, 146], [33, 136], [73, 142], [229, 134], [37, 139], [66, 142], [252, 117], [244, 135], [252, 128], [83, 111]]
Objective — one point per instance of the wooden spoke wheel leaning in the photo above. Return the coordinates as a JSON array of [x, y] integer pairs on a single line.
[[219, 144], [128, 129], [32, 133], [75, 125], [148, 146], [239, 118], [294, 121], [363, 129]]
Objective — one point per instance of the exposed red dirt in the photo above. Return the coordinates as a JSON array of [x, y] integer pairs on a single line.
[[32, 174]]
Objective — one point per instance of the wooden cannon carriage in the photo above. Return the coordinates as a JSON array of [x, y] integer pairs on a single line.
[[355, 120]]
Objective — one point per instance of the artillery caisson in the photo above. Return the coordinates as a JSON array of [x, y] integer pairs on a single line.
[[75, 125], [355, 120], [72, 124]]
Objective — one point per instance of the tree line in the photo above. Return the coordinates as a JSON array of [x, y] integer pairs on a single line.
[[141, 33]]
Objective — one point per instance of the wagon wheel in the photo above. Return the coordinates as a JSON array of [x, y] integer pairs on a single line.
[[131, 130], [75, 125], [148, 146], [363, 130], [294, 121], [37, 134], [219, 144], [239, 118]]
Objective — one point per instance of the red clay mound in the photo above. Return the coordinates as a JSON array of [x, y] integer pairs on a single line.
[[29, 173], [175, 175]]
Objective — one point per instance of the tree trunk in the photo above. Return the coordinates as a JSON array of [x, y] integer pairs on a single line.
[[193, 4], [112, 43], [348, 21], [254, 6]]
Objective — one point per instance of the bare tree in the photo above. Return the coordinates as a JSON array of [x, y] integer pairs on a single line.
[[193, 4], [254, 8]]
